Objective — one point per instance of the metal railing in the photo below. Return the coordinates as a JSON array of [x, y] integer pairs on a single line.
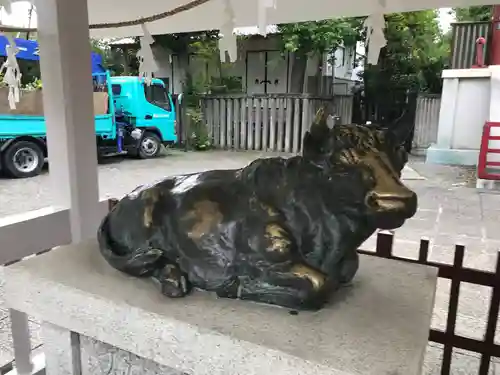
[[457, 274]]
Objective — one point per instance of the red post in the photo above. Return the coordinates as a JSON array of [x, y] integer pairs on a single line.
[[480, 44], [495, 37]]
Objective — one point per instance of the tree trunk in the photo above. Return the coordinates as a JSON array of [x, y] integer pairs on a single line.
[[126, 66], [299, 66], [183, 59], [319, 75]]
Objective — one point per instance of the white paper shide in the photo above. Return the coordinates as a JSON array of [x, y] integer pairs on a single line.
[[375, 37], [11, 73], [263, 8], [147, 62], [227, 42]]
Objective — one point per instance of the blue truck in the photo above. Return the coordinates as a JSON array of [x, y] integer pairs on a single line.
[[137, 119]]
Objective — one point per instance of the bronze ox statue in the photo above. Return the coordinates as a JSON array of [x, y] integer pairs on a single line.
[[281, 231]]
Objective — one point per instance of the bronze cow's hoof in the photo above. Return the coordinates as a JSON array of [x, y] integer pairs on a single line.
[[173, 282]]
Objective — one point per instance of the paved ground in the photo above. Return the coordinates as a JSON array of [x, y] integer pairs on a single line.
[[450, 212]]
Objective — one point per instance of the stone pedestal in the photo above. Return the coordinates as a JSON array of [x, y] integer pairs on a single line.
[[97, 320]]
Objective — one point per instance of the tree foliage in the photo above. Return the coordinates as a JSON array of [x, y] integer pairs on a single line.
[[320, 36], [201, 42], [308, 38], [112, 58], [477, 13], [414, 57], [412, 61]]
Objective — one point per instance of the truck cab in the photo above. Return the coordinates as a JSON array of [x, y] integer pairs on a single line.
[[146, 107]]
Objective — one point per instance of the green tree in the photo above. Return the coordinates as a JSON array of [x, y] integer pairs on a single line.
[[111, 60], [307, 38], [412, 61], [477, 13], [202, 44]]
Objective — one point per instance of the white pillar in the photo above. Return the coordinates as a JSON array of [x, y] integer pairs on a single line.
[[65, 51], [447, 113]]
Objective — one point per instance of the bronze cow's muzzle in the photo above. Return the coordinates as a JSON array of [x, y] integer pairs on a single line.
[[402, 203], [390, 202]]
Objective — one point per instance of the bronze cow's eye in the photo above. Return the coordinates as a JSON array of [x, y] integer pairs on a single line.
[[368, 178], [348, 157]]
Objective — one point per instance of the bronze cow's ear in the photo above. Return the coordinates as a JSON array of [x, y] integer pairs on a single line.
[[316, 138], [311, 146], [401, 132]]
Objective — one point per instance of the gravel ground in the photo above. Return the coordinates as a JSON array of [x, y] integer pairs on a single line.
[[449, 212]]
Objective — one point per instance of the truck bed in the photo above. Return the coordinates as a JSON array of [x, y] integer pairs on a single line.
[[13, 126]]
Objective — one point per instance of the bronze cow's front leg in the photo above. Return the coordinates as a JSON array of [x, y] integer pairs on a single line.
[[281, 278], [296, 286], [348, 266]]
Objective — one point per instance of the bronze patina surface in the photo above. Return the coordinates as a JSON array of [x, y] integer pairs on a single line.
[[279, 231]]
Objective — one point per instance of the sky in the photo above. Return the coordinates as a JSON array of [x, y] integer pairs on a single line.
[[445, 18], [19, 16]]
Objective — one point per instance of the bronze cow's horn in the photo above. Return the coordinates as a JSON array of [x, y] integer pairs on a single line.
[[321, 117], [319, 124]]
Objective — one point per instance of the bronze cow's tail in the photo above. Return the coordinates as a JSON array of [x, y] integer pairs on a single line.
[[136, 263]]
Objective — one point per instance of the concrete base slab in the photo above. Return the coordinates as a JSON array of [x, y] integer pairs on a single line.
[[379, 325], [437, 155]]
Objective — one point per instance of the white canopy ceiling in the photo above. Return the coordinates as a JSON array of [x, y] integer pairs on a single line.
[[211, 15]]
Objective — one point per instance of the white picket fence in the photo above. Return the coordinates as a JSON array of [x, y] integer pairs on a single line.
[[267, 122], [278, 122]]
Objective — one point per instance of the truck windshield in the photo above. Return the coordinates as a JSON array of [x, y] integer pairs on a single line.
[[157, 95]]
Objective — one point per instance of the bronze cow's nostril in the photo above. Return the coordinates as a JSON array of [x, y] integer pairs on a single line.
[[371, 200], [405, 201]]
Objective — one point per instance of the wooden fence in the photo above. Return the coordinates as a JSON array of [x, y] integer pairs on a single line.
[[463, 42], [426, 122], [267, 122]]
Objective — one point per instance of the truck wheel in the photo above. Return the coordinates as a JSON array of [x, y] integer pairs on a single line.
[[23, 159], [150, 146]]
